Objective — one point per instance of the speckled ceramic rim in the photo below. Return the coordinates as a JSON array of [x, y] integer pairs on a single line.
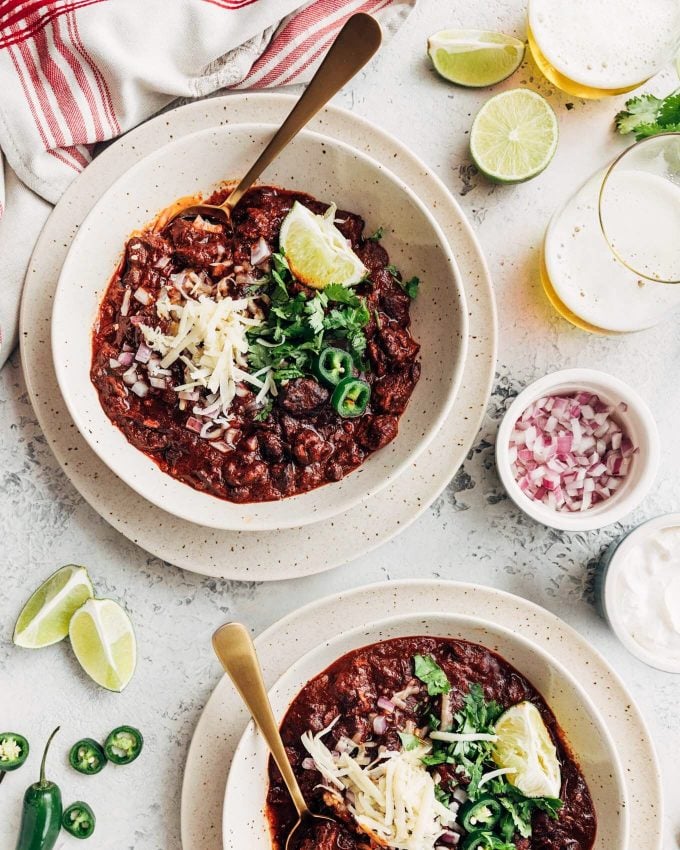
[[602, 761], [434, 395], [224, 718], [610, 565], [266, 556], [638, 422]]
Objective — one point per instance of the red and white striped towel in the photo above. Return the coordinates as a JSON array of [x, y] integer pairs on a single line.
[[77, 72]]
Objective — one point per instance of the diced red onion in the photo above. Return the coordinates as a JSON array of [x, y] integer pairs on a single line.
[[158, 383], [260, 252], [380, 725], [143, 353], [125, 358], [162, 263], [386, 705], [568, 452], [193, 424], [308, 764], [221, 446], [114, 364], [125, 304], [143, 296], [451, 839], [130, 377], [140, 389], [136, 320], [189, 395]]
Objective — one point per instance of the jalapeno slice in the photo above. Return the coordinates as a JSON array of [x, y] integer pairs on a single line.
[[79, 820], [481, 839], [123, 745], [350, 397], [13, 751], [87, 756], [333, 365], [483, 813]]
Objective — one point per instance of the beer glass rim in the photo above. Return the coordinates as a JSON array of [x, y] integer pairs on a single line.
[[601, 216]]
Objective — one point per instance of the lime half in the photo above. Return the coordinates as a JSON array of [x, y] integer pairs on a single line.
[[524, 744], [475, 58], [45, 617], [316, 251], [514, 136], [104, 642]]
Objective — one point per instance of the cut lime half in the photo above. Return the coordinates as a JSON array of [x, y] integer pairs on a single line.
[[316, 252], [475, 58], [514, 136], [45, 618], [104, 642], [524, 745]]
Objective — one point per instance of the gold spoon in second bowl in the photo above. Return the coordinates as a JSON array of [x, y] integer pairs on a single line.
[[357, 41], [234, 647]]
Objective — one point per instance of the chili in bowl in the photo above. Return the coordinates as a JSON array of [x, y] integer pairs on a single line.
[[432, 731], [234, 384]]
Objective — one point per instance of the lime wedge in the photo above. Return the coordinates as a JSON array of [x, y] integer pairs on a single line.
[[514, 136], [104, 643], [475, 58], [316, 251], [525, 745], [45, 617]]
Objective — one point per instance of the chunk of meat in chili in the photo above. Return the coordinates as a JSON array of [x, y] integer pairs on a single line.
[[302, 396]]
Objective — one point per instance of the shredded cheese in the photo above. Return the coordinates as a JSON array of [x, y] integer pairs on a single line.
[[392, 797], [209, 337]]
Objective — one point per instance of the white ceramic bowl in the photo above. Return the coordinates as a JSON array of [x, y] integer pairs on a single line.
[[243, 821], [638, 423], [331, 171], [609, 602]]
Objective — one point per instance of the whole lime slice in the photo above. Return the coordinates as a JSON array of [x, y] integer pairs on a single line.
[[475, 58], [524, 744], [104, 642], [316, 251], [514, 136], [44, 619]]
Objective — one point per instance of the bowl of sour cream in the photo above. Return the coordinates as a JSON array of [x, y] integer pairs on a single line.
[[639, 591]]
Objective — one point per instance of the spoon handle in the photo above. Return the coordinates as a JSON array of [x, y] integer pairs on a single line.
[[357, 41], [234, 647]]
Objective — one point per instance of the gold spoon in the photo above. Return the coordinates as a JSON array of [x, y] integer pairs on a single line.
[[234, 647], [356, 42]]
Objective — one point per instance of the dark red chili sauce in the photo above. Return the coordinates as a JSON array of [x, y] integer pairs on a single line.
[[351, 688], [302, 443]]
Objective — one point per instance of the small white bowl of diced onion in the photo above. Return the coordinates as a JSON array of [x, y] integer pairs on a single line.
[[577, 450]]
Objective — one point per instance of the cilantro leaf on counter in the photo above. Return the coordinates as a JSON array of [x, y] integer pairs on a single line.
[[431, 674], [647, 115]]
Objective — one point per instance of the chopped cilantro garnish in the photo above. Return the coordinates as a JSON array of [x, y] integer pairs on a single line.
[[378, 235], [409, 741], [263, 414], [411, 287], [430, 673], [473, 759]]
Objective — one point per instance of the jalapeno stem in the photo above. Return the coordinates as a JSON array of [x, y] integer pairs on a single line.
[[43, 781]]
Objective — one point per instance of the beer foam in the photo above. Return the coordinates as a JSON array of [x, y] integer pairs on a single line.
[[606, 44]]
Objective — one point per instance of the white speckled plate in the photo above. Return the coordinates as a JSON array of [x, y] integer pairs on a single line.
[[224, 719], [329, 170], [245, 797], [262, 555]]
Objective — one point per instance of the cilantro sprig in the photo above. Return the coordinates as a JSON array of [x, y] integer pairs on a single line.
[[298, 325], [647, 115]]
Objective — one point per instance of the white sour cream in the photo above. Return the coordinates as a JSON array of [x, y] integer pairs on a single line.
[[646, 589]]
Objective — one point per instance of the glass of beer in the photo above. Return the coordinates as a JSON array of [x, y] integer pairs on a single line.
[[612, 249], [597, 48]]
